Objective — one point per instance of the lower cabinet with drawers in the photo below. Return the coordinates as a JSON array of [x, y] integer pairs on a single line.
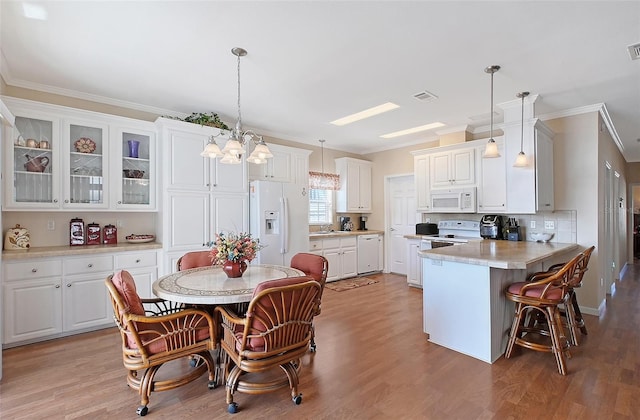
[[54, 297], [341, 253]]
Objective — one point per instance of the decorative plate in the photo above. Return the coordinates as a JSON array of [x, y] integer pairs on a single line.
[[139, 239], [85, 145]]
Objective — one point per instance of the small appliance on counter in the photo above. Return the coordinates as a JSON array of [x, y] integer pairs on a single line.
[[363, 223], [491, 226], [93, 234], [427, 229], [346, 224], [109, 235], [513, 230], [17, 238], [76, 232]]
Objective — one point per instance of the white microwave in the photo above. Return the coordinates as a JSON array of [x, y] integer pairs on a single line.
[[454, 200]]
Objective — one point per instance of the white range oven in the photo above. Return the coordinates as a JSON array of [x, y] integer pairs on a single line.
[[452, 232]]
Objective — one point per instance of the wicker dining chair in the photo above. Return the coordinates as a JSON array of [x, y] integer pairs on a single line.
[[315, 266], [193, 259], [275, 332], [152, 337], [542, 296]]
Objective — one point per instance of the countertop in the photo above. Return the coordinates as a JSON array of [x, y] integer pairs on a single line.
[[340, 233], [499, 254], [67, 250]]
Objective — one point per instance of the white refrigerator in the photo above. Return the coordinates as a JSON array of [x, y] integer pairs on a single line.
[[279, 217]]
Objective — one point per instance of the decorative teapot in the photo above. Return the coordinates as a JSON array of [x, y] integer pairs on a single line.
[[36, 164], [17, 238]]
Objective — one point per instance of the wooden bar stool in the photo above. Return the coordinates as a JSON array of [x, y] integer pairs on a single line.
[[541, 297]]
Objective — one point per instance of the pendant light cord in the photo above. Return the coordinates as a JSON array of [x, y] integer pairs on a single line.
[[491, 126], [322, 153], [239, 113], [522, 126]]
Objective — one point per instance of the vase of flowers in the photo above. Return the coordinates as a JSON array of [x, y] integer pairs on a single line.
[[232, 251]]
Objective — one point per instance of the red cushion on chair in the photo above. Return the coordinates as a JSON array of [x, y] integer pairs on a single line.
[[311, 264], [553, 293], [195, 259], [126, 287]]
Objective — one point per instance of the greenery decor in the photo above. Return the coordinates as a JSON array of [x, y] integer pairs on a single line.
[[235, 247], [212, 120]]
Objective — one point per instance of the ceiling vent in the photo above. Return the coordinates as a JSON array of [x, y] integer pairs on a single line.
[[634, 51], [425, 96]]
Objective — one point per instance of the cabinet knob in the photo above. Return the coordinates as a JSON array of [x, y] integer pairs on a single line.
[[66, 201], [89, 265], [208, 185], [57, 286], [68, 284], [215, 185], [119, 202], [55, 200], [34, 270], [138, 260]]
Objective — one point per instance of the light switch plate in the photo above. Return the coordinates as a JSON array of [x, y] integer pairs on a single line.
[[532, 224], [549, 224]]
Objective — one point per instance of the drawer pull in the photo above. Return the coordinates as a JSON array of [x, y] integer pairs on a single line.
[[57, 286], [138, 260], [34, 270], [68, 284], [89, 265]]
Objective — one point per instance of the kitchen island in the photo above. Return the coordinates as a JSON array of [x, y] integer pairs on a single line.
[[464, 307]]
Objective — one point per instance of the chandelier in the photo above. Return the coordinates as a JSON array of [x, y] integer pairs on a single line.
[[235, 147]]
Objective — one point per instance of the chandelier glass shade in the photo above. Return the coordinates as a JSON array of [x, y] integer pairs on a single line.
[[238, 139], [322, 180]]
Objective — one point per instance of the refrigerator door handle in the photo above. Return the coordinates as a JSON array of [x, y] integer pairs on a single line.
[[284, 237]]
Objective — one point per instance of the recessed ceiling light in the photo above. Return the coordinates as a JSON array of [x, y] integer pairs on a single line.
[[412, 130], [34, 11], [365, 114]]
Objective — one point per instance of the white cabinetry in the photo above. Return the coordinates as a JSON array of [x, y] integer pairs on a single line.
[[341, 254], [452, 168], [492, 185], [423, 188], [288, 164], [530, 189], [60, 158], [45, 298], [414, 263], [355, 186], [201, 196]]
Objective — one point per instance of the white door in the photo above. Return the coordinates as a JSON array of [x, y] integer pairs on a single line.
[[402, 217]]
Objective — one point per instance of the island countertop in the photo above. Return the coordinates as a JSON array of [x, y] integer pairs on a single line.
[[499, 254]]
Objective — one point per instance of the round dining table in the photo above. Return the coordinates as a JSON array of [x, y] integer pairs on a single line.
[[211, 286]]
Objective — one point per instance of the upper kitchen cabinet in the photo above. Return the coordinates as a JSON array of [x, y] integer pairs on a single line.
[[288, 164], [423, 188], [61, 158], [492, 185], [530, 188], [354, 195], [135, 167], [185, 169], [452, 168]]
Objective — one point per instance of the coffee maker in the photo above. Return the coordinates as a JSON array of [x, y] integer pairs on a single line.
[[363, 223], [491, 226]]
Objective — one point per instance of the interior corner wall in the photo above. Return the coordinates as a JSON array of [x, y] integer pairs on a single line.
[[575, 152]]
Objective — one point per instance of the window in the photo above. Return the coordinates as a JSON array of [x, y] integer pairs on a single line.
[[320, 207]]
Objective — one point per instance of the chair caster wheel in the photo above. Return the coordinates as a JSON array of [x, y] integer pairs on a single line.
[[212, 384], [142, 411], [297, 400], [233, 408]]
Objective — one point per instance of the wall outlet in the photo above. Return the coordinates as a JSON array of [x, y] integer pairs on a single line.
[[549, 224], [119, 223], [532, 224], [51, 225], [601, 282]]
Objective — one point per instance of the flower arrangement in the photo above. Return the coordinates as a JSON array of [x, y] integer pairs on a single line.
[[235, 247]]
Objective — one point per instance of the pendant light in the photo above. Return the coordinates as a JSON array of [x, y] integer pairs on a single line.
[[491, 149], [323, 180], [521, 160], [235, 147]]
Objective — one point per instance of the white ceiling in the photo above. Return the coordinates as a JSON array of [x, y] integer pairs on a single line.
[[313, 62]]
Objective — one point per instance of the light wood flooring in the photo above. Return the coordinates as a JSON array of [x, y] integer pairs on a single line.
[[373, 362]]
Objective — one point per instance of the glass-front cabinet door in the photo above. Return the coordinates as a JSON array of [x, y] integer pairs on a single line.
[[33, 163], [86, 164], [137, 169]]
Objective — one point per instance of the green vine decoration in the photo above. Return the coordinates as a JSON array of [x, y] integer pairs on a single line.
[[211, 120]]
